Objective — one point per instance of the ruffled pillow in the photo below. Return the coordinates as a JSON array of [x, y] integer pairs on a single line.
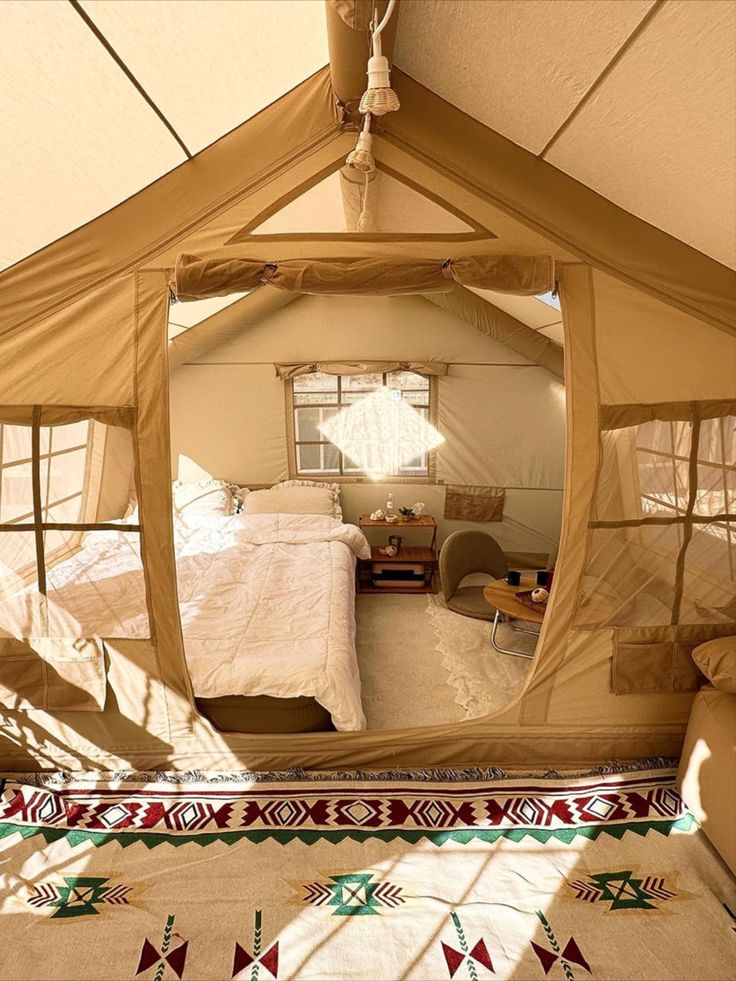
[[202, 497], [238, 495], [333, 488]]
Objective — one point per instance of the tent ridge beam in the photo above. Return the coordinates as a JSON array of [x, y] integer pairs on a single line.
[[128, 74], [602, 76]]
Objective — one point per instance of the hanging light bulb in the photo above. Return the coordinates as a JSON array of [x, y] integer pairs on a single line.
[[361, 158], [379, 98]]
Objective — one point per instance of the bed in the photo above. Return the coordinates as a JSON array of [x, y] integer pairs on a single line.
[[267, 605]]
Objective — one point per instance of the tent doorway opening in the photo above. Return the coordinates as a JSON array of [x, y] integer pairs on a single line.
[[351, 472]]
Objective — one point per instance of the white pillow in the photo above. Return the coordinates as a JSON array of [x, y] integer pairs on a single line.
[[290, 500], [202, 497], [333, 488]]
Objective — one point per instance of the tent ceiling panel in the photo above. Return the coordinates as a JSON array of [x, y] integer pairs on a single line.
[[318, 209], [528, 309], [394, 206], [555, 332], [183, 316], [519, 68], [77, 137], [400, 208], [210, 66], [658, 137], [637, 100]]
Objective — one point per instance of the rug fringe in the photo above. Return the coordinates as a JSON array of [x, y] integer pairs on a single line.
[[299, 775]]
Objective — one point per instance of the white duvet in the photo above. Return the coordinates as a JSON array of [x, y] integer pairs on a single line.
[[267, 604]]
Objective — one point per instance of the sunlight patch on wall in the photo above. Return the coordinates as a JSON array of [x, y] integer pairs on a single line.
[[381, 433]]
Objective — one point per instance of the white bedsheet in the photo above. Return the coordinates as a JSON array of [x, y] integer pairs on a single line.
[[267, 604]]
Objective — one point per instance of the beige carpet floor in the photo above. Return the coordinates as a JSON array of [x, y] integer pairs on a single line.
[[421, 664]]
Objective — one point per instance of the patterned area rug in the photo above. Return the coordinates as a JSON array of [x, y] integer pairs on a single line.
[[605, 877]]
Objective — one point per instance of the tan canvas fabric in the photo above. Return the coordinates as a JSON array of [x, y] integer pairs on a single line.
[[474, 503], [502, 327], [53, 674], [198, 278], [564, 210]]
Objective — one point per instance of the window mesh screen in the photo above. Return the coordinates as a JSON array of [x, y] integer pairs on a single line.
[[70, 563], [661, 546]]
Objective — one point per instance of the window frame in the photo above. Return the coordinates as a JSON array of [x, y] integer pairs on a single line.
[[347, 475], [722, 467]]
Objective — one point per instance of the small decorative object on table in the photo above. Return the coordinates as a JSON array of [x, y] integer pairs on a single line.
[[389, 551], [528, 598], [407, 513]]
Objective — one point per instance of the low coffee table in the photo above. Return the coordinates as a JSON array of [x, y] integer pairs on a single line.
[[508, 608]]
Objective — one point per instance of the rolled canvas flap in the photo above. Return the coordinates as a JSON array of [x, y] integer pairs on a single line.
[[197, 279], [468, 503], [286, 371], [53, 674]]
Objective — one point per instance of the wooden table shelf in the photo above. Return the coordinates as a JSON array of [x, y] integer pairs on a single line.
[[418, 555]]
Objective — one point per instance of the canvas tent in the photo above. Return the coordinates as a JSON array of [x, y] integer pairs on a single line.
[[646, 563]]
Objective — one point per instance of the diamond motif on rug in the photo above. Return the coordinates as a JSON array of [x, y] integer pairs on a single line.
[[351, 894]]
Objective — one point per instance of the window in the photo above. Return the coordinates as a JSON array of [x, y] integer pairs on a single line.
[[69, 566], [63, 454], [64, 463], [317, 398], [662, 547]]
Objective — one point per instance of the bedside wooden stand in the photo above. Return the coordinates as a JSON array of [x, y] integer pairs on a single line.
[[419, 556]]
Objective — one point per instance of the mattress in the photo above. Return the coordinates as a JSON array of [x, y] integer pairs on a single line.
[[267, 604]]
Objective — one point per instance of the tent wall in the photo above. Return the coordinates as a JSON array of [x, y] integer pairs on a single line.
[[502, 416], [566, 714], [83, 323]]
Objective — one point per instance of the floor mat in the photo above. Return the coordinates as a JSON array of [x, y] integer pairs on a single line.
[[484, 679], [605, 877], [415, 644]]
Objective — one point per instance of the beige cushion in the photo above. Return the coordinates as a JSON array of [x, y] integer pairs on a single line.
[[707, 772], [290, 500], [717, 660], [470, 601], [333, 488]]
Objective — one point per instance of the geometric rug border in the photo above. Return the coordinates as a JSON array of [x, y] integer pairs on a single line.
[[463, 836]]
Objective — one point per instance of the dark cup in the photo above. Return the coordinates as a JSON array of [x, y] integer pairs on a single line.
[[513, 578], [542, 577]]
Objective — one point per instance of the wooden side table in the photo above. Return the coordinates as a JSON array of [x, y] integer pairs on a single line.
[[503, 597], [418, 555]]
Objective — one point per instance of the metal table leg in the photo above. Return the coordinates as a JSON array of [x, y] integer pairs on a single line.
[[503, 650]]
